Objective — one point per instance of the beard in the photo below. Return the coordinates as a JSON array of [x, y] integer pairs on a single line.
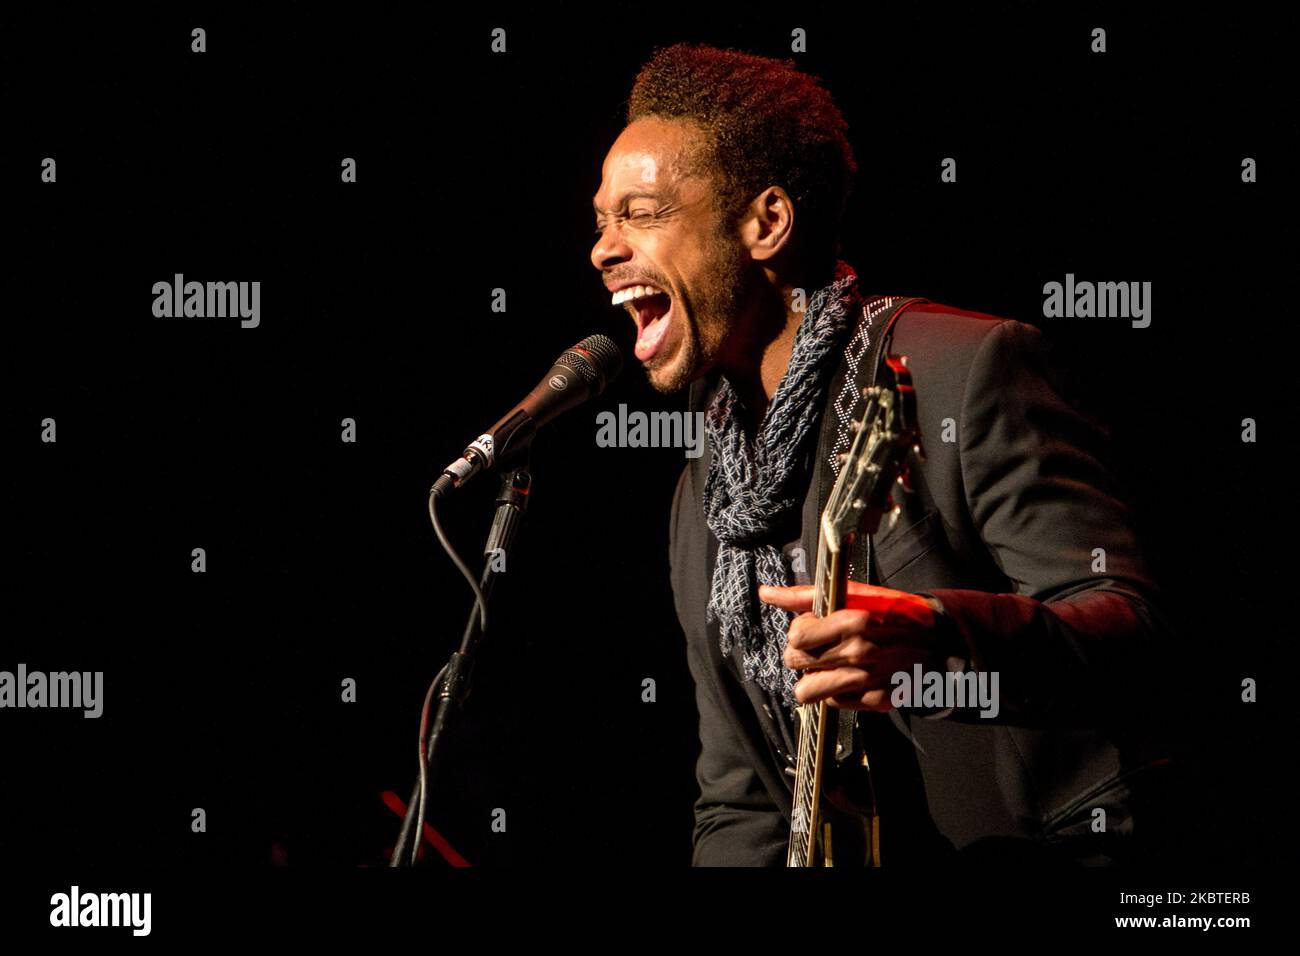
[[719, 296]]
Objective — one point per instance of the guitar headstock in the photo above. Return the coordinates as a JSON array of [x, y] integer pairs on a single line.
[[885, 436]]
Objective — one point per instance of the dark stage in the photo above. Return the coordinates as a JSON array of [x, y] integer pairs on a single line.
[[225, 690]]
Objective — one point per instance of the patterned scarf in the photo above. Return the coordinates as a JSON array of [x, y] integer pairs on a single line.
[[752, 492]]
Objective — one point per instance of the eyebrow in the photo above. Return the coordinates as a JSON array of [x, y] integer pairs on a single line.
[[633, 194]]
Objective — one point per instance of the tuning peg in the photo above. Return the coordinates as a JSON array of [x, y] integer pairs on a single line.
[[894, 512], [904, 481]]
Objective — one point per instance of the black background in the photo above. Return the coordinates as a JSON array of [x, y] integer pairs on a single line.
[[475, 171]]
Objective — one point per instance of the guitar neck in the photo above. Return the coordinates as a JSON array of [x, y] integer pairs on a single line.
[[883, 436], [832, 573], [829, 588]]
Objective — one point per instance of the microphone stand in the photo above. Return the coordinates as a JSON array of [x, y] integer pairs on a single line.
[[512, 501]]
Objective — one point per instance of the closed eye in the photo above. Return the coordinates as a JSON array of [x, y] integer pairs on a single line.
[[640, 215]]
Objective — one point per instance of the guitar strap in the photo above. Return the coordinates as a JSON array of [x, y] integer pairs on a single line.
[[857, 370]]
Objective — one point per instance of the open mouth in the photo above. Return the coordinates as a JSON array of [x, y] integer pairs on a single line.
[[651, 309]]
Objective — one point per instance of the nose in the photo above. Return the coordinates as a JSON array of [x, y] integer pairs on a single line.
[[610, 248]]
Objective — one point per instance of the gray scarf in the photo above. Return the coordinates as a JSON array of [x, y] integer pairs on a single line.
[[752, 491]]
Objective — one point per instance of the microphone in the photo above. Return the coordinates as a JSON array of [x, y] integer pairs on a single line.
[[579, 374]]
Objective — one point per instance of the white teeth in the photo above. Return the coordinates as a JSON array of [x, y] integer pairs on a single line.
[[632, 292]]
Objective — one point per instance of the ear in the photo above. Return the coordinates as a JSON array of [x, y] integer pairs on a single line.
[[768, 224]]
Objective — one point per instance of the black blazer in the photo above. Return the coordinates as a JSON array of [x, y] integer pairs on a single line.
[[1003, 530]]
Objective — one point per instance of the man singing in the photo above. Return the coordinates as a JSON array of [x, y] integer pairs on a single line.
[[1014, 558]]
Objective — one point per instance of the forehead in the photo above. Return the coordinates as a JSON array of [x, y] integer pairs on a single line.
[[650, 156]]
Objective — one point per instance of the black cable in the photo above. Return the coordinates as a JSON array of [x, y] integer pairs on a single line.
[[455, 559], [424, 763], [423, 786]]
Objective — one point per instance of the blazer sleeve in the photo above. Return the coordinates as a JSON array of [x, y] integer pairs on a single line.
[[1080, 637], [736, 821]]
